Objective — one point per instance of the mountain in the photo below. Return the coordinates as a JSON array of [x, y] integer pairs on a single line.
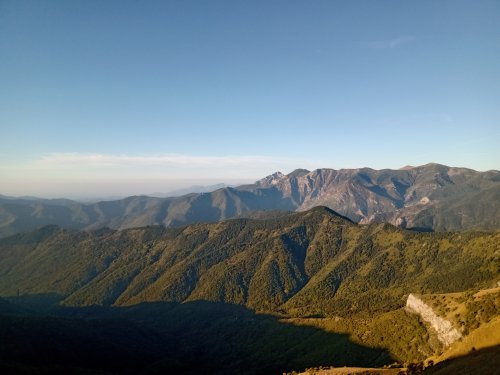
[[280, 292], [189, 190], [430, 197], [475, 317], [315, 258]]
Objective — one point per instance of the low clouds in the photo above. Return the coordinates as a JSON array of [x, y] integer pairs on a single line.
[[392, 43], [167, 166], [189, 162]]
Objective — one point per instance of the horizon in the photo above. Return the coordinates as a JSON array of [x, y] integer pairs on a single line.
[[122, 98], [185, 185]]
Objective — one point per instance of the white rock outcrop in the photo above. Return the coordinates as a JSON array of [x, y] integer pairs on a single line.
[[446, 333]]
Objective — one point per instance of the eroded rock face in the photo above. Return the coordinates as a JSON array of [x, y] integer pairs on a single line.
[[431, 196], [446, 333]]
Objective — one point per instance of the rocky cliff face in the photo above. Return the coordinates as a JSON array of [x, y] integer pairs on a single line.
[[432, 196], [446, 333]]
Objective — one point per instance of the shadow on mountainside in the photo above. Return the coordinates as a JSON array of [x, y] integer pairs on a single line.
[[197, 337], [482, 361]]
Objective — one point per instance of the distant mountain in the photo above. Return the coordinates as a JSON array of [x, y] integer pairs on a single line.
[[430, 197], [189, 190], [433, 196]]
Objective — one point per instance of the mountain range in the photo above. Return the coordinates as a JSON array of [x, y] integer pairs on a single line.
[[189, 190], [430, 197]]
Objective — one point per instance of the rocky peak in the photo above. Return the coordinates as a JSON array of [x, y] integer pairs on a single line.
[[298, 173], [271, 180]]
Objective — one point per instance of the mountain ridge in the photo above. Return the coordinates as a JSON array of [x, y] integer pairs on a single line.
[[314, 258], [429, 197]]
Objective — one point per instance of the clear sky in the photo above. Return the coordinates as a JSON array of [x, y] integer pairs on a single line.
[[125, 97]]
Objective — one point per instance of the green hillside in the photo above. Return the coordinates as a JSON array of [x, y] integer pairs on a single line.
[[314, 262], [279, 292]]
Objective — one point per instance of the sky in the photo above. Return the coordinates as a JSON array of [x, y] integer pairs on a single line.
[[114, 98]]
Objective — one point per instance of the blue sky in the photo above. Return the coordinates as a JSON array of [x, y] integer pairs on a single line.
[[129, 97]]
